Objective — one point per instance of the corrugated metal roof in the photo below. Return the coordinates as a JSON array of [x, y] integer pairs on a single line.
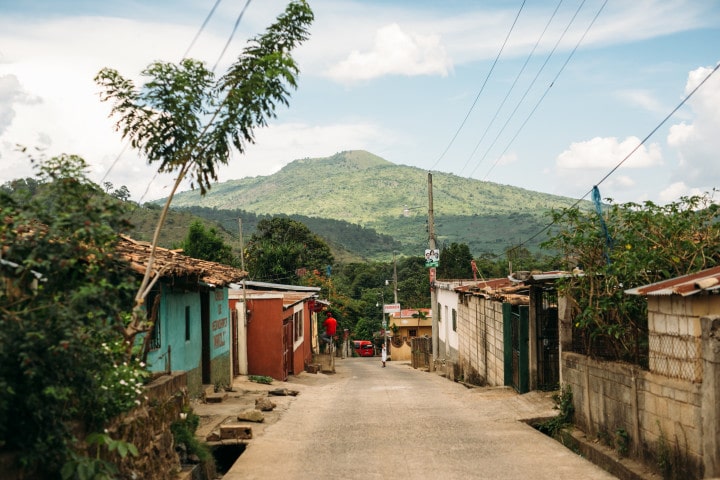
[[273, 286], [686, 285]]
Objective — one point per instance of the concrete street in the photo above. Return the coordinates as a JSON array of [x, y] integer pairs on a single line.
[[368, 422]]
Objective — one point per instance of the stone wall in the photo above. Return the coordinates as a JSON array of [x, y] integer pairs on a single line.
[[480, 340], [148, 428]]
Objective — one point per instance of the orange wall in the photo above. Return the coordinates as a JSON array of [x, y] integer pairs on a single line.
[[264, 337]]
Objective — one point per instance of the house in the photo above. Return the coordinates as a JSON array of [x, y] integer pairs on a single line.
[[275, 328], [407, 324], [188, 305]]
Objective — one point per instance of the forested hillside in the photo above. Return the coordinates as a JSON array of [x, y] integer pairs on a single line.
[[337, 195]]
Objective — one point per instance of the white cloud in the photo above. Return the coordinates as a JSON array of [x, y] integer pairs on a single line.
[[643, 99], [674, 191], [606, 153], [697, 143], [394, 52]]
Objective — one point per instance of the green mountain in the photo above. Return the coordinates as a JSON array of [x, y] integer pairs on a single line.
[[360, 189]]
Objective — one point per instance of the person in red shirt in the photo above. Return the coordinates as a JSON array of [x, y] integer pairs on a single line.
[[330, 325]]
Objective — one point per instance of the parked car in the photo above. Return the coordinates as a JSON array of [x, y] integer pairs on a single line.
[[364, 348]]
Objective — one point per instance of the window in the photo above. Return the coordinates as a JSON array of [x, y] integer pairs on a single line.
[[187, 323], [298, 324], [412, 332], [454, 320], [153, 315]]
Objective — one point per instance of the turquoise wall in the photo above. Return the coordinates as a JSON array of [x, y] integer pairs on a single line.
[[185, 354], [219, 323]]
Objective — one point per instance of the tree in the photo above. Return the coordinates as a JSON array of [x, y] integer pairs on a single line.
[[187, 122], [122, 193], [629, 246], [206, 244], [455, 262], [280, 246], [64, 300]]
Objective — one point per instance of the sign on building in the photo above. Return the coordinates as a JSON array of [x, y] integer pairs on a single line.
[[391, 307]]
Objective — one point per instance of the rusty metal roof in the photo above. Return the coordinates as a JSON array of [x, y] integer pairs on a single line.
[[171, 263], [703, 281]]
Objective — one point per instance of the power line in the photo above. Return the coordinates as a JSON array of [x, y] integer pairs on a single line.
[[507, 37], [507, 95], [202, 27], [232, 34], [542, 97], [642, 142]]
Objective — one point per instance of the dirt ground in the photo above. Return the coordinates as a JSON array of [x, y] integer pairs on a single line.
[[242, 397]]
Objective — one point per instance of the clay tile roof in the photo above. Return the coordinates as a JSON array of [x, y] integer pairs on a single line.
[[172, 263]]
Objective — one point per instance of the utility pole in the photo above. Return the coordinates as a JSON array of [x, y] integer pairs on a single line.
[[395, 277], [433, 293], [242, 341]]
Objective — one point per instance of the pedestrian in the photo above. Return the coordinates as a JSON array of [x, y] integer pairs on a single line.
[[330, 325], [384, 355]]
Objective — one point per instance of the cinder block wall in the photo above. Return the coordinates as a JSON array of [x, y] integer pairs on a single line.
[[662, 416], [480, 340]]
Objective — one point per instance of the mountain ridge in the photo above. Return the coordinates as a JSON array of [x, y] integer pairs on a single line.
[[364, 189]]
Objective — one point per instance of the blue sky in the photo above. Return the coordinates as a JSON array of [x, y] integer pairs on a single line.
[[399, 78]]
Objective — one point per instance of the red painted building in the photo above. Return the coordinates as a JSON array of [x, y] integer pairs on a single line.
[[273, 334]]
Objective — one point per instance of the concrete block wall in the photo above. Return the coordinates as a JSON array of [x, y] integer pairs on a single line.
[[674, 335], [480, 339], [662, 416]]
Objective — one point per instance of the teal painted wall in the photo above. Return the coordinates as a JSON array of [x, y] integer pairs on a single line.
[[219, 323], [220, 341], [185, 354]]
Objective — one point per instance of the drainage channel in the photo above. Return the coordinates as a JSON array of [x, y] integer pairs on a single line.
[[226, 456]]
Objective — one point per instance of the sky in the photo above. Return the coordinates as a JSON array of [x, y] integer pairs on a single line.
[[551, 96]]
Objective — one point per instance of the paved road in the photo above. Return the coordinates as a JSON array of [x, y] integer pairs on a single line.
[[368, 422]]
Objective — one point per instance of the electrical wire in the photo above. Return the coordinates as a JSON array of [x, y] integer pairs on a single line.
[[202, 27], [492, 68], [507, 95], [547, 90], [232, 34], [621, 162]]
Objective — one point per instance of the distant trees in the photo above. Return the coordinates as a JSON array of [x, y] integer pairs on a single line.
[[206, 243], [280, 246], [455, 262]]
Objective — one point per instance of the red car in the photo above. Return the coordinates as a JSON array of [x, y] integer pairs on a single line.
[[364, 348]]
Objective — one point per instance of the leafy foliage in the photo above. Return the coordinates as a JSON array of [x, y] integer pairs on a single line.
[[280, 246], [186, 120], [66, 299], [455, 261], [649, 243], [206, 244]]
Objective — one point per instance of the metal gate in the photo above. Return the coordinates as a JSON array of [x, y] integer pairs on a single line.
[[515, 344], [548, 340]]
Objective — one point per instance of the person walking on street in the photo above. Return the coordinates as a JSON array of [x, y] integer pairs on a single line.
[[384, 355]]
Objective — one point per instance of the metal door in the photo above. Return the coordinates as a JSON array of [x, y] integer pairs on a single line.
[[548, 339]]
